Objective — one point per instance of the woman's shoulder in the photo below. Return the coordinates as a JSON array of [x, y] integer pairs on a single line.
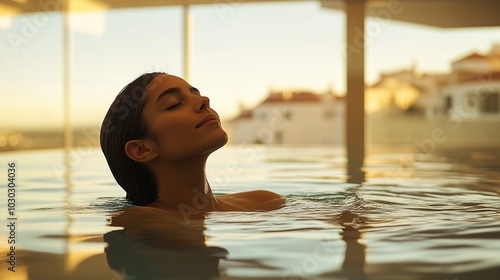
[[258, 200]]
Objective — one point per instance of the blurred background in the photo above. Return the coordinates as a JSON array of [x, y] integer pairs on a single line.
[[281, 60], [302, 87]]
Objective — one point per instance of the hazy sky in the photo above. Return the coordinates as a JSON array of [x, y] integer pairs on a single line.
[[239, 53]]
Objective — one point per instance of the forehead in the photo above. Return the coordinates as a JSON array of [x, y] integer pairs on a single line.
[[163, 82]]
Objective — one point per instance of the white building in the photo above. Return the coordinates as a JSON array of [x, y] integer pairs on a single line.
[[471, 90], [400, 105], [475, 97], [291, 118], [474, 88], [462, 106]]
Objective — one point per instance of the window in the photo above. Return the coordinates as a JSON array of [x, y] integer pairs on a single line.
[[448, 103], [490, 102]]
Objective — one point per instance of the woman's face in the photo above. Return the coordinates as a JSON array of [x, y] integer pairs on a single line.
[[181, 120]]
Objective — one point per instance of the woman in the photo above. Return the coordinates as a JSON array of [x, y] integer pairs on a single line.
[[157, 136]]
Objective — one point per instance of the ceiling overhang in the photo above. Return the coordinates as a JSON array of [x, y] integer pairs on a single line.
[[437, 13]]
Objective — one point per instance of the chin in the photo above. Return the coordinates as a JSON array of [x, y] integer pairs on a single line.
[[220, 140], [212, 142]]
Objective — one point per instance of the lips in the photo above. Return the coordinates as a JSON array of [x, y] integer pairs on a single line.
[[206, 119]]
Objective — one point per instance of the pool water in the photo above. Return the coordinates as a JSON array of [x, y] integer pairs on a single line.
[[416, 216]]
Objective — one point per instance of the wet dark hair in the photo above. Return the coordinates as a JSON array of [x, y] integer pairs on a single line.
[[124, 122]]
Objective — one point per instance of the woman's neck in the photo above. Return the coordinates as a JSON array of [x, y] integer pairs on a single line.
[[183, 185]]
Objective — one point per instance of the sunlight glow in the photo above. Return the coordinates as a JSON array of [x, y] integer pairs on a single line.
[[7, 9], [87, 5], [5, 22], [89, 23]]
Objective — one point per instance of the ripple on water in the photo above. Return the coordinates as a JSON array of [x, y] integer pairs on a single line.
[[436, 220]]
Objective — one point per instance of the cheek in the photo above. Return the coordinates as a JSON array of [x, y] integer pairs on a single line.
[[175, 138], [174, 133]]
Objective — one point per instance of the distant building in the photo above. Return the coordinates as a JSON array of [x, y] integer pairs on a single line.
[[474, 87], [406, 91], [10, 140], [391, 94], [291, 117], [471, 90], [473, 97], [436, 111], [404, 107]]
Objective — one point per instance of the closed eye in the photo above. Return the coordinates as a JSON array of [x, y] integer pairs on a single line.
[[194, 91], [174, 106]]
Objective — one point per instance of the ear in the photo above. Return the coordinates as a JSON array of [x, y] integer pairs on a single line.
[[140, 150]]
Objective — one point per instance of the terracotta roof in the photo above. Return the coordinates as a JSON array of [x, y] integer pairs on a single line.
[[493, 76], [379, 83], [292, 97], [283, 97], [244, 114], [473, 56], [339, 98]]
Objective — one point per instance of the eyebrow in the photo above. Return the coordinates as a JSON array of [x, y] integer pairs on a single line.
[[176, 90]]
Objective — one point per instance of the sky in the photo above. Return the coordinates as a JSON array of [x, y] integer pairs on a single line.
[[239, 53]]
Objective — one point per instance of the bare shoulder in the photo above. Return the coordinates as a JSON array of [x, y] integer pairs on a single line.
[[258, 200]]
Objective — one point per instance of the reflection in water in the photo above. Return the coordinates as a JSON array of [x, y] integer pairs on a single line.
[[158, 244], [439, 221], [67, 186], [354, 259], [355, 252], [355, 174]]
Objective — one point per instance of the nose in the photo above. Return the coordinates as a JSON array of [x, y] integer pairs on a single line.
[[203, 104]]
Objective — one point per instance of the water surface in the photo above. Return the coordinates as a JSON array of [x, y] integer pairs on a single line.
[[417, 216]]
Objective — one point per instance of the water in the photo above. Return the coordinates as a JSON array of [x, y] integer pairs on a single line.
[[417, 216]]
